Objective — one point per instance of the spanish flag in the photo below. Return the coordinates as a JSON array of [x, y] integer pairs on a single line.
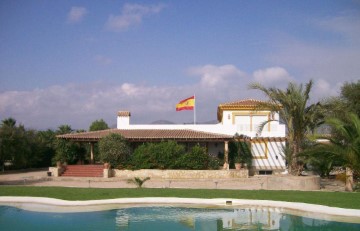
[[186, 104]]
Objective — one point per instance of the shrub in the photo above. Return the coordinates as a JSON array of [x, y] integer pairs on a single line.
[[214, 163], [114, 150], [171, 155], [163, 155], [196, 159]]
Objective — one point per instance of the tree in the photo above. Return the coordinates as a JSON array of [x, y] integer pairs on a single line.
[[343, 148], [13, 143], [294, 110], [46, 147], [348, 101], [64, 129], [98, 125], [350, 94], [9, 122], [19, 146], [68, 151], [115, 150]]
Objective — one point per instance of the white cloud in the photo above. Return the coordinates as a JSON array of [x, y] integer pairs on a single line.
[[272, 75], [334, 59], [323, 89], [347, 25], [131, 14], [216, 76], [76, 14], [80, 104]]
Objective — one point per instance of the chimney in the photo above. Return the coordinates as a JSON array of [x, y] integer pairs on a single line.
[[123, 119]]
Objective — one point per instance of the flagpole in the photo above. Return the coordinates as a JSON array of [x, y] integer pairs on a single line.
[[194, 109]]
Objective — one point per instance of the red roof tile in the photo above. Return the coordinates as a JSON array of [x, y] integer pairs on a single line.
[[246, 104], [142, 135], [242, 103]]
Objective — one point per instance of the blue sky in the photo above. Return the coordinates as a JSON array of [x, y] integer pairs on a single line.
[[72, 62]]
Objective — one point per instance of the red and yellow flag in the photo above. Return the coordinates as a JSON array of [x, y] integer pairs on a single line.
[[186, 104]]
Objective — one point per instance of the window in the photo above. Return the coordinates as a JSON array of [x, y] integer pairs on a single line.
[[265, 172]]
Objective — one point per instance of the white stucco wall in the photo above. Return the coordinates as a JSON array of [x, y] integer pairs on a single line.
[[277, 130], [275, 159], [122, 122]]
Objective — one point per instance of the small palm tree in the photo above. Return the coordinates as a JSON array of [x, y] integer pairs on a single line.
[[344, 146], [138, 182]]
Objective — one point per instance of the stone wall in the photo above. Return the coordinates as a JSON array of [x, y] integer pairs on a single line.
[[285, 182], [218, 179], [181, 174]]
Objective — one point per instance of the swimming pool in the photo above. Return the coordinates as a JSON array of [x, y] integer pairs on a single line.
[[170, 213], [165, 218]]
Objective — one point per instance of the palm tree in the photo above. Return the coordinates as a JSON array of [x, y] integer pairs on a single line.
[[9, 122], [299, 117], [64, 129], [344, 146]]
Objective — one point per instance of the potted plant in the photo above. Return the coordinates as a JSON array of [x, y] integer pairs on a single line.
[[238, 162]]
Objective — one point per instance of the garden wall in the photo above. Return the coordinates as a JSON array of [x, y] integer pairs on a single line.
[[219, 179], [181, 174]]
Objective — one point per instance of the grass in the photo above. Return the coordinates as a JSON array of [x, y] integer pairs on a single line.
[[333, 199]]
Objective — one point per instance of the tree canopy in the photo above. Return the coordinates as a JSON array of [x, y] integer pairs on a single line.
[[98, 125], [115, 150]]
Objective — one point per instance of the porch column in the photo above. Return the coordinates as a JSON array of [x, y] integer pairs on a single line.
[[226, 155], [91, 152]]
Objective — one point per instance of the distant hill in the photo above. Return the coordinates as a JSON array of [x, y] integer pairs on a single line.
[[170, 122], [162, 122]]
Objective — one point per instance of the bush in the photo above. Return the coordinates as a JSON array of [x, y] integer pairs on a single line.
[[214, 163], [196, 159], [163, 155], [114, 150], [171, 155]]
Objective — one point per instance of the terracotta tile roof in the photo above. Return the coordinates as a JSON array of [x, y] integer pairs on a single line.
[[263, 139], [123, 113], [143, 135], [242, 103], [246, 104]]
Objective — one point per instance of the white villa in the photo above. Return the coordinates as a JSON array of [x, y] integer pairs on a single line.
[[238, 117]]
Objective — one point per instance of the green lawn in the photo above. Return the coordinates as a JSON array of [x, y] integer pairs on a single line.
[[334, 199]]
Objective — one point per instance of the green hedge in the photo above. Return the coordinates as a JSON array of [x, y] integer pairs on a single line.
[[171, 155]]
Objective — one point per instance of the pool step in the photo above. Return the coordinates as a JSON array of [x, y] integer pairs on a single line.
[[83, 171]]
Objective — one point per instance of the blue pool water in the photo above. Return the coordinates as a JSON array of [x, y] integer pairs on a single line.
[[165, 218]]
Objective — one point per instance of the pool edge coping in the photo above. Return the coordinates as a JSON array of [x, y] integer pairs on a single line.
[[305, 207]]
